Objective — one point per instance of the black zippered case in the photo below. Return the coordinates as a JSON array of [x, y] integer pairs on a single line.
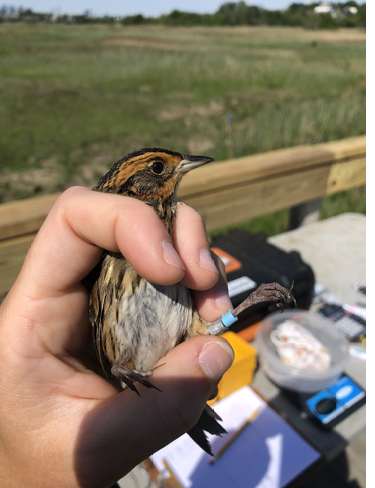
[[256, 261]]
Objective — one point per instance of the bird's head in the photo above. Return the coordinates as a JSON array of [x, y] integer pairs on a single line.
[[149, 174]]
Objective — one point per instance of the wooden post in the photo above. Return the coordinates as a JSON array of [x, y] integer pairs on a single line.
[[305, 213]]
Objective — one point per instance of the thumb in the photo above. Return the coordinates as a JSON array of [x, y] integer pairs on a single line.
[[125, 430]]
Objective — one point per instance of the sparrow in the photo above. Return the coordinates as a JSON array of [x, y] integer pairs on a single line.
[[135, 323]]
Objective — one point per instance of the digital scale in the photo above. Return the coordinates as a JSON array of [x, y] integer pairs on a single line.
[[330, 406]]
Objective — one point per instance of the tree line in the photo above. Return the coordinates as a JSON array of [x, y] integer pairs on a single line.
[[341, 14]]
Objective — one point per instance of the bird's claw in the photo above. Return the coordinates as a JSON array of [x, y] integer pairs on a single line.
[[129, 376]]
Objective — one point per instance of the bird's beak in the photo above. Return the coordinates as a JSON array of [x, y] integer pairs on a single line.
[[191, 162]]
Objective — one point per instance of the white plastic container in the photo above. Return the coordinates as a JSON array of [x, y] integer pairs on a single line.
[[289, 377]]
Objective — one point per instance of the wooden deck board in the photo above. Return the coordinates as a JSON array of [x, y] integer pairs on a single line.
[[224, 193]]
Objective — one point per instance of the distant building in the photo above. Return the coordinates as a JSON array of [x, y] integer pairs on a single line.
[[352, 10], [324, 8]]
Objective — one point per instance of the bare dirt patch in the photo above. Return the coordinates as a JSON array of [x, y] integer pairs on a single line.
[[342, 35], [32, 181], [148, 42], [264, 33]]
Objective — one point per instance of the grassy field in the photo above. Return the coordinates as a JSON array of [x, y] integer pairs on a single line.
[[74, 99]]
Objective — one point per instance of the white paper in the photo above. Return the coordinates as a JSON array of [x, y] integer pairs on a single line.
[[267, 454], [239, 285]]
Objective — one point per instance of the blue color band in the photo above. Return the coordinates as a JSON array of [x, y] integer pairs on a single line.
[[228, 319]]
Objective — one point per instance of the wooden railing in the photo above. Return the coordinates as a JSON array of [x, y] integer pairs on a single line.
[[224, 193]]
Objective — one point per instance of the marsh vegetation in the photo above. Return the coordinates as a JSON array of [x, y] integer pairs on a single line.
[[75, 98]]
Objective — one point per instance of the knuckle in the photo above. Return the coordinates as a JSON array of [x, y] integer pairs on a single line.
[[65, 200], [194, 215], [195, 219], [68, 204], [71, 192]]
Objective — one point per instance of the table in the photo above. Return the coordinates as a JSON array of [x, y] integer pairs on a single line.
[[336, 250]]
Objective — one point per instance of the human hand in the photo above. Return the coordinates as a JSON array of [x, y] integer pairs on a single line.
[[62, 424]]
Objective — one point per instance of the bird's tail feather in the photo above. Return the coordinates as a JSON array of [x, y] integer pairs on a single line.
[[208, 422]]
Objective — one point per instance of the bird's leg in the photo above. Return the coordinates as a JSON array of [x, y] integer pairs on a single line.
[[129, 376], [270, 292]]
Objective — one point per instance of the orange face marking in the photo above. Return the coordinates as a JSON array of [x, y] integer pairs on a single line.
[[137, 164]]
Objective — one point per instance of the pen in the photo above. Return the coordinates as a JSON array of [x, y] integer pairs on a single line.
[[221, 451], [175, 482]]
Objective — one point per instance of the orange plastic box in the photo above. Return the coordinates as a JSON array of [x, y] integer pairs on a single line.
[[242, 370]]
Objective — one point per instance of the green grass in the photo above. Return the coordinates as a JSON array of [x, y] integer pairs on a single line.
[[305, 122], [74, 99]]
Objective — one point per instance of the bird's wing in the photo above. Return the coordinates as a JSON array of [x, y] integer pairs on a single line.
[[95, 281], [97, 320]]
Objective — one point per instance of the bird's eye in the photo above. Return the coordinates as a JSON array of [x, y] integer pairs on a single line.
[[157, 167]]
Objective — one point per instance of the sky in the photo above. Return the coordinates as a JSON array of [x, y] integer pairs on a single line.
[[149, 8]]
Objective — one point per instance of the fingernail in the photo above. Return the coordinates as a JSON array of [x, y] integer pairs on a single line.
[[206, 261], [215, 358], [222, 300], [170, 255]]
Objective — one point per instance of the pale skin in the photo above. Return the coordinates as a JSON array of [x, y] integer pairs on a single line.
[[61, 423]]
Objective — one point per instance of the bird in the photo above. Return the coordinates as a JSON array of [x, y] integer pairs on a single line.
[[135, 323]]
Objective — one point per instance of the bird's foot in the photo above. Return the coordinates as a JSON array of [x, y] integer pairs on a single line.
[[129, 376], [267, 292]]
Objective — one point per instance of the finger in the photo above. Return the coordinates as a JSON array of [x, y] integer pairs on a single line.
[[213, 303], [82, 223], [190, 241], [124, 431]]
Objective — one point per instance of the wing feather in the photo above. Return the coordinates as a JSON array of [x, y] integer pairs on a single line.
[[94, 282]]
